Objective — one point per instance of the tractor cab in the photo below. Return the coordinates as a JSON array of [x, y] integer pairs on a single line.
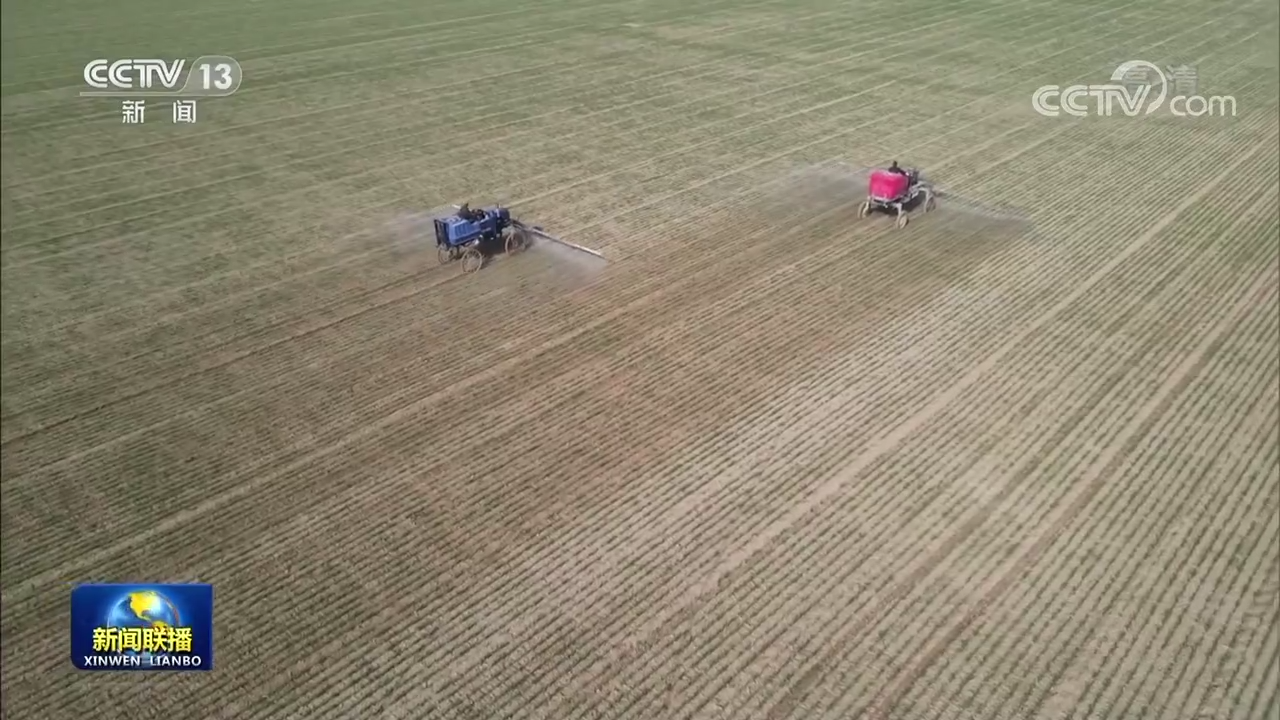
[[457, 230], [453, 231]]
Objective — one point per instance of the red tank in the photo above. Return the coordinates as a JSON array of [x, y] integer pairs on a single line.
[[885, 185]]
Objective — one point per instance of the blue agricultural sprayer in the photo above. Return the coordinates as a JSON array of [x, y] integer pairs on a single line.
[[474, 235]]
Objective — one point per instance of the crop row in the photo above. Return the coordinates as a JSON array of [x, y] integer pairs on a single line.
[[59, 30], [1005, 652], [412, 372], [1059, 406], [401, 53], [880, 422], [355, 377], [308, 185], [1024, 634], [613, 70], [345, 124], [633, 598], [849, 523], [64, 378], [661, 386], [603, 138], [393, 451]]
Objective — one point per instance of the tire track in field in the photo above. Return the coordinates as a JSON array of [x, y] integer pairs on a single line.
[[648, 342], [498, 369], [1250, 630], [38, 259], [1134, 565], [1010, 651], [913, 473], [1136, 624], [1111, 642], [1188, 624], [920, 472], [1124, 664], [191, 373], [1250, 625], [698, 589], [908, 554], [1015, 639], [1136, 261], [1097, 473], [1266, 666], [887, 441]]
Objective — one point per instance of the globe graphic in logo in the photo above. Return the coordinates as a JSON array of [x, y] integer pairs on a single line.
[[143, 609]]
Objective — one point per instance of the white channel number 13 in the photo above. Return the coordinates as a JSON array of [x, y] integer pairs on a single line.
[[223, 72]]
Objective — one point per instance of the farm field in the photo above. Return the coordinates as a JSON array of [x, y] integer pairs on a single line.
[[770, 462]]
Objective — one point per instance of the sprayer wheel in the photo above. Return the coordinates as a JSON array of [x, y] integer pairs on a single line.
[[444, 254], [472, 260], [930, 203], [864, 209], [902, 220], [516, 240]]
